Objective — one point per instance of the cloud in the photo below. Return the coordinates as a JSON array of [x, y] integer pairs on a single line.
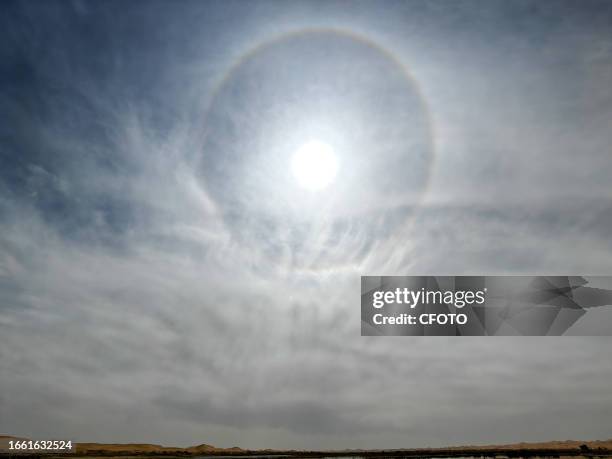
[[132, 309]]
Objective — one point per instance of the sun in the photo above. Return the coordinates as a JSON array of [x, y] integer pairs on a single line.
[[314, 165]]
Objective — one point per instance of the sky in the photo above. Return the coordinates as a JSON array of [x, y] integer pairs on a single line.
[[164, 279]]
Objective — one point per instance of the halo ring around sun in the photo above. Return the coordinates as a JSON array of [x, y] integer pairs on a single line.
[[315, 32]]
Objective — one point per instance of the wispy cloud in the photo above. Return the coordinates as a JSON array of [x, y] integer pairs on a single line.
[[134, 306]]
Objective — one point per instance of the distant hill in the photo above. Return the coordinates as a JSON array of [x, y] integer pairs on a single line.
[[136, 449], [204, 448], [131, 448], [562, 444]]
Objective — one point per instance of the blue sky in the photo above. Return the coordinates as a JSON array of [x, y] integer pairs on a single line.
[[162, 279]]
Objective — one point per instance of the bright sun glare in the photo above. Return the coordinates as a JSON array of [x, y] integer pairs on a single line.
[[314, 165]]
